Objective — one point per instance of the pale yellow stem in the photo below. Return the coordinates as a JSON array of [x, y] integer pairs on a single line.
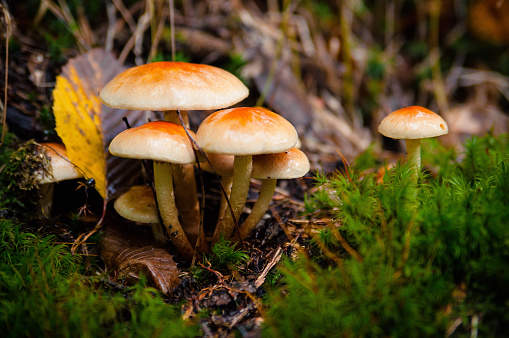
[[413, 150], [172, 116], [260, 207], [226, 182], [186, 198], [47, 191], [163, 181], [242, 167], [186, 194], [157, 233]]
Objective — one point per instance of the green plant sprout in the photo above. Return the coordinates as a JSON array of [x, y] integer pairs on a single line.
[[224, 256]]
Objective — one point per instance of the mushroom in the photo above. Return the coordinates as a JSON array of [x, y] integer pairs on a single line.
[[243, 132], [139, 205], [269, 168], [164, 143], [60, 169], [171, 86], [168, 87], [413, 124]]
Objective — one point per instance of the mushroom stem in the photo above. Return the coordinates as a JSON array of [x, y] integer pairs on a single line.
[[185, 189], [242, 167], [413, 150], [157, 233], [186, 199], [226, 182], [163, 181], [172, 116], [47, 191], [260, 207]]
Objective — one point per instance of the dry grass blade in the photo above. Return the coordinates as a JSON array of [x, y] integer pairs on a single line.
[[8, 32]]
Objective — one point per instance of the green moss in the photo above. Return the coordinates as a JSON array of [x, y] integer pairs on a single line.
[[18, 185], [42, 294], [224, 256], [411, 248]]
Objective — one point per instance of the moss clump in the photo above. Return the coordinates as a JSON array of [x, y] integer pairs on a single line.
[[224, 256], [42, 294], [406, 259], [18, 183]]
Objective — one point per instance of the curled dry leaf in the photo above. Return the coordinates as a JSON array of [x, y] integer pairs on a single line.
[[130, 255], [153, 262]]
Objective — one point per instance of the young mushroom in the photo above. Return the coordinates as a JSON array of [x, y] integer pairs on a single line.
[[413, 124], [164, 143], [269, 168], [139, 205], [60, 169], [243, 132], [168, 87]]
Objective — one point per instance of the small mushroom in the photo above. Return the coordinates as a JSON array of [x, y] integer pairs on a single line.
[[269, 168], [243, 132], [60, 169], [413, 124], [139, 205], [164, 143]]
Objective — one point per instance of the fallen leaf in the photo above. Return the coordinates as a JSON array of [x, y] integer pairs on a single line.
[[128, 255], [153, 262], [86, 126]]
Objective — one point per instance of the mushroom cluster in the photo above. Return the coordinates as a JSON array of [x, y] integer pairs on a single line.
[[243, 132], [228, 142]]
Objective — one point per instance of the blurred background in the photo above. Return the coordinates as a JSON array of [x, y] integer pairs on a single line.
[[334, 69]]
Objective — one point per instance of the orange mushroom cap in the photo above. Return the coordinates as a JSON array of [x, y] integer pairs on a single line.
[[246, 131], [158, 140], [413, 122], [173, 85]]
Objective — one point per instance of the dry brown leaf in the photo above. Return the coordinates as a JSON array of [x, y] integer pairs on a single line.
[[153, 262], [129, 254]]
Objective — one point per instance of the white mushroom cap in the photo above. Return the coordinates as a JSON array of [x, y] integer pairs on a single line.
[[138, 204], [413, 123], [172, 86], [289, 164], [246, 131], [158, 140], [61, 168]]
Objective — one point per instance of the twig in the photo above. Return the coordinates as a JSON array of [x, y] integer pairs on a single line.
[[7, 37], [157, 36], [111, 31], [172, 27], [275, 259], [125, 14], [85, 236], [140, 28]]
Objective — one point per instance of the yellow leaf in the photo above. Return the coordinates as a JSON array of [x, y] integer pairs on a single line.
[[78, 125], [86, 126]]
